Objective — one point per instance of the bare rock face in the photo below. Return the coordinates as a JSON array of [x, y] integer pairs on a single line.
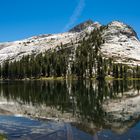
[[120, 32], [34, 45], [121, 42], [37, 44], [121, 28], [85, 25]]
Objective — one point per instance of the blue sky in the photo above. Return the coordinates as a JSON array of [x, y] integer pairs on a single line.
[[20, 19]]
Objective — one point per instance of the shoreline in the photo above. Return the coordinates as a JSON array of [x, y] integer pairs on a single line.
[[70, 79]]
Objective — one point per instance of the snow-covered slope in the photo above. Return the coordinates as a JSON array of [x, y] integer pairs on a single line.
[[121, 42]]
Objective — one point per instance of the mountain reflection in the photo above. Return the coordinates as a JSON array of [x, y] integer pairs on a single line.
[[82, 99]]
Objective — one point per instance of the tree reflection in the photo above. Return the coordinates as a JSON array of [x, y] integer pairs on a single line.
[[83, 99]]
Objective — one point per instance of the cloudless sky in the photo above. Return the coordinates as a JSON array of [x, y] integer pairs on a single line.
[[20, 19]]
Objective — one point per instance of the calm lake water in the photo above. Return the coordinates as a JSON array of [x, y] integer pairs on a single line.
[[70, 110]]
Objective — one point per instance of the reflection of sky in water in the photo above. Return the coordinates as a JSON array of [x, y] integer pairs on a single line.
[[132, 134], [22, 128], [19, 128]]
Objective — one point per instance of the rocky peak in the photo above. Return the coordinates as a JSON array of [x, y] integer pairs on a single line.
[[121, 43], [84, 25], [122, 28], [116, 24]]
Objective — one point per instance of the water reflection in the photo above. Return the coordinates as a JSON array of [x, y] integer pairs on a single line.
[[86, 103], [20, 128]]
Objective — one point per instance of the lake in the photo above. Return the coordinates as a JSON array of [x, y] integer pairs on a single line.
[[70, 110]]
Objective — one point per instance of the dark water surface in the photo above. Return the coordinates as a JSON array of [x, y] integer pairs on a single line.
[[77, 108]]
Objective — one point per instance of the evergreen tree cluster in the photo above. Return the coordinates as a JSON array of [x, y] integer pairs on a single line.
[[48, 64], [87, 62]]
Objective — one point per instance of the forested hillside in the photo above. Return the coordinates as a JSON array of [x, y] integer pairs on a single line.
[[82, 59]]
